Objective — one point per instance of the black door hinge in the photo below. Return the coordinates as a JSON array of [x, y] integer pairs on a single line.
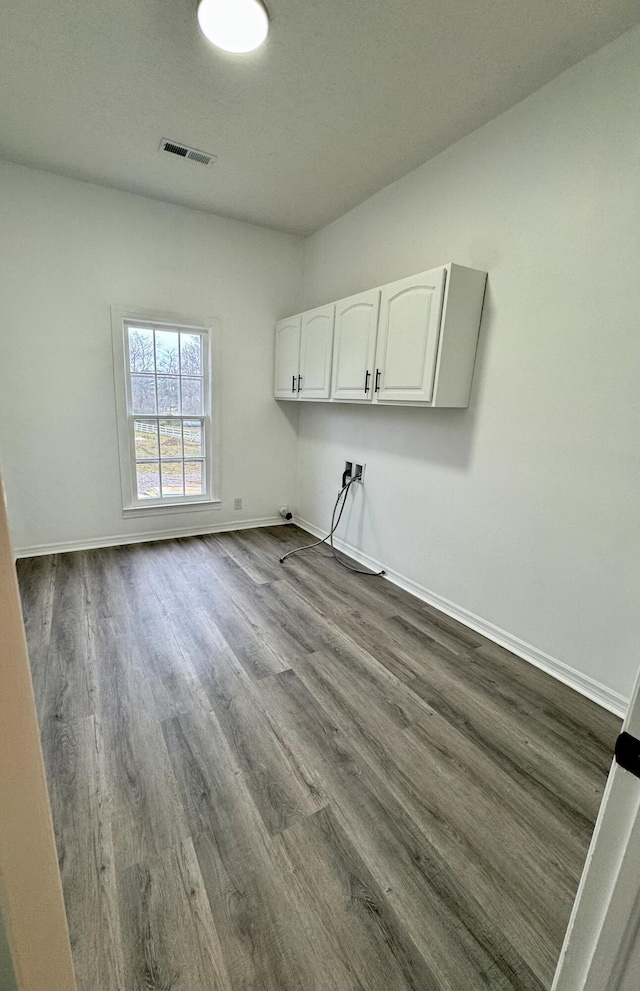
[[628, 753]]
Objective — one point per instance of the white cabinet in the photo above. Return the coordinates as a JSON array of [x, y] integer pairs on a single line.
[[316, 348], [287, 358], [354, 346], [427, 337], [408, 338], [410, 343], [459, 329]]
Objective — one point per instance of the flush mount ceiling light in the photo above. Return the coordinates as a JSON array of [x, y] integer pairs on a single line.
[[237, 26]]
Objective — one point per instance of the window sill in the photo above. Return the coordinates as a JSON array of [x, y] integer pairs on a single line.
[[130, 512]]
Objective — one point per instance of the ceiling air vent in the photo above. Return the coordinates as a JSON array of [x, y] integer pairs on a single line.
[[183, 151]]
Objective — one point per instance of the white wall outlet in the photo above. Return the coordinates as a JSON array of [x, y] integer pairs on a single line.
[[237, 503], [358, 472]]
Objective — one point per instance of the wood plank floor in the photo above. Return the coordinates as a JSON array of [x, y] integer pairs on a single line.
[[294, 778]]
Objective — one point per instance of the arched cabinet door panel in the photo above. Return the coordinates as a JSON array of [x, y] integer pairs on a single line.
[[316, 349], [287, 358], [410, 314], [354, 347]]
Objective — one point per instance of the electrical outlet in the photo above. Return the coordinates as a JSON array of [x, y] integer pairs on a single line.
[[237, 503], [348, 469], [359, 472]]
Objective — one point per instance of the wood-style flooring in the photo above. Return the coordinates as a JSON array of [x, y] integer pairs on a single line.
[[293, 778]]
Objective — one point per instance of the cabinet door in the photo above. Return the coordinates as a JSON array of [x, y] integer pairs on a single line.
[[287, 358], [354, 346], [410, 312], [316, 348]]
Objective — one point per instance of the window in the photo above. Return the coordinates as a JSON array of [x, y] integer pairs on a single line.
[[164, 399]]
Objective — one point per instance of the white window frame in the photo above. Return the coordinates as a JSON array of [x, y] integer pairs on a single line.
[[208, 329]]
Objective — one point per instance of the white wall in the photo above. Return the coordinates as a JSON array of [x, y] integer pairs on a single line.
[[67, 251], [523, 509]]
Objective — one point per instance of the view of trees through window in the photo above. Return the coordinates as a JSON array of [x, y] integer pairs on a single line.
[[167, 411]]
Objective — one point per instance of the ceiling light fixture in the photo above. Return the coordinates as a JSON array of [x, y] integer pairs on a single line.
[[237, 26]]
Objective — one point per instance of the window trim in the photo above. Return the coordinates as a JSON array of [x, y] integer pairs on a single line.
[[209, 328]]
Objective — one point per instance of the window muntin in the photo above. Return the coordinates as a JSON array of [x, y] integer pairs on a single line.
[[168, 392]]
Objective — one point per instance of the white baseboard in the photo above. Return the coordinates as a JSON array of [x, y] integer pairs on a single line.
[[121, 539], [592, 689]]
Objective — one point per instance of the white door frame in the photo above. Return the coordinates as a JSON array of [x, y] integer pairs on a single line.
[[600, 951], [30, 885]]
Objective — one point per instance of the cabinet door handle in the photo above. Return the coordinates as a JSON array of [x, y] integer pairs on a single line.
[[299, 382], [366, 381], [293, 383], [377, 388]]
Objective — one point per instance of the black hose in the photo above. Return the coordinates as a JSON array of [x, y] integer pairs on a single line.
[[334, 526]]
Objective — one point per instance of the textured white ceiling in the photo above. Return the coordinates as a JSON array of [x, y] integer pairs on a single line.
[[346, 96]]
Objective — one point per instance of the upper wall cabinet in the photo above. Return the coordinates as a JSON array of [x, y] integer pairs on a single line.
[[410, 343], [287, 358], [408, 338], [316, 348], [354, 346]]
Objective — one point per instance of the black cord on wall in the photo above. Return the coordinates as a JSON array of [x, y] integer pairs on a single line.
[[342, 495]]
